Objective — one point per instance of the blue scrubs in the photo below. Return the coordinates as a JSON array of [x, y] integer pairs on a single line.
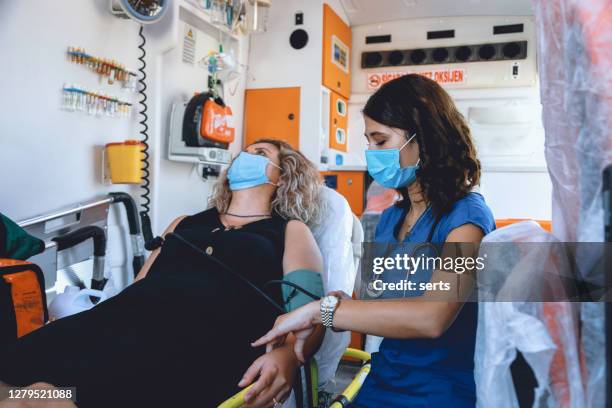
[[437, 372]]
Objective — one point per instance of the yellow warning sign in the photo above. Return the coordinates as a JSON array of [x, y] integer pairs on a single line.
[[189, 44]]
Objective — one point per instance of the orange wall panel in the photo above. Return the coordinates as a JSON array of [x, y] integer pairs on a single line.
[[338, 127], [272, 113], [337, 38], [351, 184], [357, 341]]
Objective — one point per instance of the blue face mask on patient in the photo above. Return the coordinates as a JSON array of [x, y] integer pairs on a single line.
[[384, 167], [248, 170]]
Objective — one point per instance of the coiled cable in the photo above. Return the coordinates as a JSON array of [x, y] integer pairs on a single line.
[[150, 242]]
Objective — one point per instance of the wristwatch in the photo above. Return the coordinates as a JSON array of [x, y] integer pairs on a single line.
[[329, 304]]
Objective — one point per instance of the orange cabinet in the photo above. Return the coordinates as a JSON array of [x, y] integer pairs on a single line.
[[351, 184], [337, 38], [545, 224], [357, 342], [338, 126], [272, 113]]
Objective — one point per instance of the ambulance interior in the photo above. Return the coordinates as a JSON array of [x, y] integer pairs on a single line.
[[89, 85]]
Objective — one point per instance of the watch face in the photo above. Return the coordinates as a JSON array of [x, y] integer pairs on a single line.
[[329, 301]]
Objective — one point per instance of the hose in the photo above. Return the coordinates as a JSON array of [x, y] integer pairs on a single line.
[[229, 270], [242, 278], [294, 286]]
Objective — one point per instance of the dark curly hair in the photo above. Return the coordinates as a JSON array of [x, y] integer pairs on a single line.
[[449, 168]]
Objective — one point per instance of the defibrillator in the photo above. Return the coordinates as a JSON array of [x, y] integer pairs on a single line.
[[208, 122], [201, 130]]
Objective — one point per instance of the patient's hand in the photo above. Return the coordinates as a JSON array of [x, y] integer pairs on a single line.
[[276, 371], [36, 403], [301, 322]]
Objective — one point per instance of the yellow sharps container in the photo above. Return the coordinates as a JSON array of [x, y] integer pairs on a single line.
[[125, 161]]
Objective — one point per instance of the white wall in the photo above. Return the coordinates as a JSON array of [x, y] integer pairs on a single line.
[[178, 189], [51, 158], [525, 193]]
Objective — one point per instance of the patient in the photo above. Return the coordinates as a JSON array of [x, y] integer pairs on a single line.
[[180, 335]]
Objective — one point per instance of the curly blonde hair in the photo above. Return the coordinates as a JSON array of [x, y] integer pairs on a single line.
[[298, 194]]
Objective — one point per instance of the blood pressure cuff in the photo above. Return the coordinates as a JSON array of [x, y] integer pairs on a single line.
[[306, 279], [15, 242]]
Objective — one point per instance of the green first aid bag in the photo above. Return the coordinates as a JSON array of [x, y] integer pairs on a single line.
[[15, 242]]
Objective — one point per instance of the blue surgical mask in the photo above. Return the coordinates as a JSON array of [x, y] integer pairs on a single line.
[[248, 170], [384, 167]]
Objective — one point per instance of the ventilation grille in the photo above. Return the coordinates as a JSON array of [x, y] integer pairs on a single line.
[[514, 50]]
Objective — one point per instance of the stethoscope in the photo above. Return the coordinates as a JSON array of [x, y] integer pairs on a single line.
[[426, 247]]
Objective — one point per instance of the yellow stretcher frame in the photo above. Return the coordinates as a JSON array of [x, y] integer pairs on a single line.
[[342, 400]]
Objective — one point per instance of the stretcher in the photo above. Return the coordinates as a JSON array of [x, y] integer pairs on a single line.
[[340, 401], [339, 238], [62, 247], [64, 230]]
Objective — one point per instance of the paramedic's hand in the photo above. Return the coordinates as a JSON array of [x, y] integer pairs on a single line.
[[276, 371], [300, 322], [340, 294]]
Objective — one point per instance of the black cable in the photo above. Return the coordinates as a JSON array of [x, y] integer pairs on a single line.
[[150, 242], [293, 285], [245, 280], [229, 270]]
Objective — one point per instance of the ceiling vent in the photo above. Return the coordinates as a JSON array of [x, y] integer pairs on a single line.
[[514, 50]]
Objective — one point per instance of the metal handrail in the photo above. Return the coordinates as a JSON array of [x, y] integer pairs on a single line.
[[342, 400], [62, 213]]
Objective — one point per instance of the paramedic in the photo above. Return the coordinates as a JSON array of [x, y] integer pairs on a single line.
[[419, 145]]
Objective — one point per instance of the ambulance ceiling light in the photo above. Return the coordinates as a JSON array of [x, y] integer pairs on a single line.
[[349, 6]]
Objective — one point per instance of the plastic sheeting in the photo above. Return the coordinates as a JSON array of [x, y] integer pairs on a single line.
[[575, 69], [546, 333], [574, 42], [378, 198], [333, 235]]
